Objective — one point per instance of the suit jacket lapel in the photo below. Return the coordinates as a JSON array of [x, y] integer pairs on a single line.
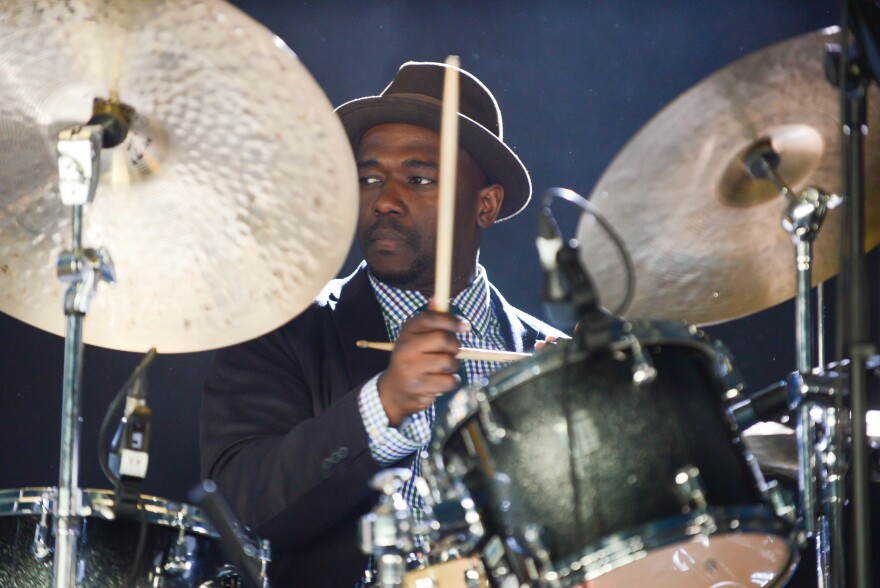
[[357, 315], [512, 329]]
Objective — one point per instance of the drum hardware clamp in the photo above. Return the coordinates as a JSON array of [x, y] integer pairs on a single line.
[[41, 548], [387, 532]]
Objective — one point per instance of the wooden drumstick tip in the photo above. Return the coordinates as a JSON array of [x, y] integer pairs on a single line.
[[379, 345]]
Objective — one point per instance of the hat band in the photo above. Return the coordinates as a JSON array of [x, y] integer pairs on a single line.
[[419, 97]]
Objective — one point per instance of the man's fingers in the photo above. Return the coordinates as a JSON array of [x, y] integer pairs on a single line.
[[430, 320], [540, 344], [433, 383]]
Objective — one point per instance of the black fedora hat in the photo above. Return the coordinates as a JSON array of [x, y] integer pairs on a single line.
[[414, 97]]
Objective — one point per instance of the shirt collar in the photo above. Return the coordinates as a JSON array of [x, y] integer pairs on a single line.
[[473, 302]]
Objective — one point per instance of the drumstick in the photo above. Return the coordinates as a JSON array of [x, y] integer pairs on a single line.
[[446, 187], [471, 353]]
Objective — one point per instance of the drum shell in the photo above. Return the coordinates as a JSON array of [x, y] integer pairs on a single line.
[[106, 547], [589, 454]]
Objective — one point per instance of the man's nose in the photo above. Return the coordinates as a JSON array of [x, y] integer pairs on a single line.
[[390, 199]]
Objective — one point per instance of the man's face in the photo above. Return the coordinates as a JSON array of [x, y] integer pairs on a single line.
[[397, 224]]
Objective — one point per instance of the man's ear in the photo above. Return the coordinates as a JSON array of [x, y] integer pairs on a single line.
[[490, 199]]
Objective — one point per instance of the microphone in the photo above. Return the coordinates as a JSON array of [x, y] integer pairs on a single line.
[[129, 450], [555, 287], [128, 458], [568, 290], [241, 548]]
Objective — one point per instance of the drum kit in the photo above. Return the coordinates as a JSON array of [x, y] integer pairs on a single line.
[[624, 456], [177, 142]]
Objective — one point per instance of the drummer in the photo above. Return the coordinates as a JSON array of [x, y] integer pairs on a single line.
[[295, 423]]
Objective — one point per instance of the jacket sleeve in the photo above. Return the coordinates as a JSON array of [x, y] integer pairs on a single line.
[[292, 463]]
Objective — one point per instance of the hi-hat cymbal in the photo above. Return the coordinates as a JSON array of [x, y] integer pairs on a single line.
[[705, 238], [229, 205]]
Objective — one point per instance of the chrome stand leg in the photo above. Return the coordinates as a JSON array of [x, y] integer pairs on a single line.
[[80, 269], [832, 492], [68, 500]]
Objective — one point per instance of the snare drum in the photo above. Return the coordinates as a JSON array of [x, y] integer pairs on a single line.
[[180, 547], [456, 573], [619, 467]]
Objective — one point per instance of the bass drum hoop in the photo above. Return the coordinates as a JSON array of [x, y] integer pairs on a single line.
[[619, 550]]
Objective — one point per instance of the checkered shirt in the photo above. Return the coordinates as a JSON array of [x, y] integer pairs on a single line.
[[389, 444]]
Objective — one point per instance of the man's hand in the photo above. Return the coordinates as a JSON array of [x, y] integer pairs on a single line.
[[540, 344], [422, 365]]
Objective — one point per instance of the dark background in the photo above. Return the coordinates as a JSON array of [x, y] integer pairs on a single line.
[[575, 81]]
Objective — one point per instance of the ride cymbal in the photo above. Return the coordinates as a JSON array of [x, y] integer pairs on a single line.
[[230, 203], [705, 238]]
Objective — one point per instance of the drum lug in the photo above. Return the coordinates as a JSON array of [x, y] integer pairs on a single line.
[[691, 492], [265, 557], [227, 577], [41, 548], [784, 507], [690, 489], [178, 560], [495, 433], [643, 370], [504, 563], [542, 568], [472, 579]]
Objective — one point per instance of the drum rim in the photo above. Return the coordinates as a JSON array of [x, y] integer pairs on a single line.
[[97, 503], [615, 551]]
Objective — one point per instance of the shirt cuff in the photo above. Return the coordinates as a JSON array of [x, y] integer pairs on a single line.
[[390, 444]]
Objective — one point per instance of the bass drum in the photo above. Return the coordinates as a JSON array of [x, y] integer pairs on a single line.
[[619, 467], [179, 546]]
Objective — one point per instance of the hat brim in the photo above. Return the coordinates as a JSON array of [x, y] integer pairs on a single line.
[[498, 162]]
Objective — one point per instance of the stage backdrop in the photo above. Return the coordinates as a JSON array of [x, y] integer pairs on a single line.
[[575, 81]]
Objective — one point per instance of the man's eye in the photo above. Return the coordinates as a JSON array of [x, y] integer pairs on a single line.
[[421, 181], [369, 180]]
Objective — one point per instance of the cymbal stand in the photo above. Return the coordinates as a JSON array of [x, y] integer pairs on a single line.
[[820, 437], [814, 397], [80, 270]]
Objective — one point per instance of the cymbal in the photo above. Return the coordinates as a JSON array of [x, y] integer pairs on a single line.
[[705, 238], [228, 207], [774, 445]]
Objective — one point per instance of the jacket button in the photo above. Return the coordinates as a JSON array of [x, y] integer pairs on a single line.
[[342, 452], [327, 463]]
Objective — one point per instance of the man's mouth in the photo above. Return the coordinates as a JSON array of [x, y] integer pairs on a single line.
[[388, 239], [388, 243]]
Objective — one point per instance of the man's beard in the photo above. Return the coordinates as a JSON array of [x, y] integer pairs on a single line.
[[405, 277]]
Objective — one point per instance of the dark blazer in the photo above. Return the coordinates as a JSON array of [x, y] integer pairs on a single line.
[[282, 435]]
